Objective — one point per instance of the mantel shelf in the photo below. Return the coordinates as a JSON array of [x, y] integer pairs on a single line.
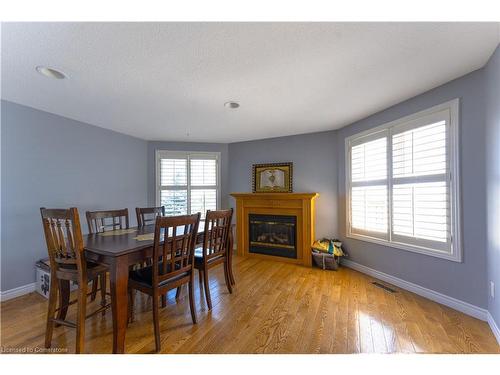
[[275, 195]]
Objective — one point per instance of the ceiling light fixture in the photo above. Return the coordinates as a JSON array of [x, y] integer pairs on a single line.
[[232, 105], [50, 72]]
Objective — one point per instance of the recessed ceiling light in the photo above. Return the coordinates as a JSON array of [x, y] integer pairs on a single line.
[[232, 105], [50, 72]]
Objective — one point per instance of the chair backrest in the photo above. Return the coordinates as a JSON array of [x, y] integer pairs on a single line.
[[63, 236], [147, 215], [101, 221], [173, 249], [215, 239]]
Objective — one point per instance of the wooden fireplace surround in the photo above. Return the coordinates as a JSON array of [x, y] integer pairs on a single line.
[[300, 205]]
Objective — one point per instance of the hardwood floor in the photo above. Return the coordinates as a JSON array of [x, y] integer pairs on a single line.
[[275, 308]]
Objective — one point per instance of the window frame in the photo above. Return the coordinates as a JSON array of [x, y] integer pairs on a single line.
[[453, 179], [188, 155]]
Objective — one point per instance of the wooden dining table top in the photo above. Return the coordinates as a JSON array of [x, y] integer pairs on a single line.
[[124, 241]]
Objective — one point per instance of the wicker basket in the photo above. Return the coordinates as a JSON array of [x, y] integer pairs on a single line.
[[326, 261]]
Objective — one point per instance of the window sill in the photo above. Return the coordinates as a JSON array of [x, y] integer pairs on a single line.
[[454, 257]]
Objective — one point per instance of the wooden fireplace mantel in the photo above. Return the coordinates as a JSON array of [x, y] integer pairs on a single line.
[[300, 205]]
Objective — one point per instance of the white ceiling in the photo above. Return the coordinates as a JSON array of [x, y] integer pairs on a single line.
[[169, 81]]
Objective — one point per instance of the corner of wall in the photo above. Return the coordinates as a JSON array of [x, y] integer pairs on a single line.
[[492, 182]]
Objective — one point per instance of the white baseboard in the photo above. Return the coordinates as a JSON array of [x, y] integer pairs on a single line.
[[494, 327], [465, 307], [17, 292]]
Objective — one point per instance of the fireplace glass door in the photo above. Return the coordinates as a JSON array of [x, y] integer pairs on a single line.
[[273, 235]]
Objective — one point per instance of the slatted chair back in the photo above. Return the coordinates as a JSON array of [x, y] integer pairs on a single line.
[[147, 215], [63, 236], [102, 221], [217, 227], [173, 249]]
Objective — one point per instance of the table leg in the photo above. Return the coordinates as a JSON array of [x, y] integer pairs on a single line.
[[119, 301]]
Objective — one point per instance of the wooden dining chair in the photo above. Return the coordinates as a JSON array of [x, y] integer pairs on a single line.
[[215, 249], [64, 240], [173, 261], [101, 221], [147, 215]]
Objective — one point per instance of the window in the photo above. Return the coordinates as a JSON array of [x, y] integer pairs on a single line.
[[187, 182], [402, 183]]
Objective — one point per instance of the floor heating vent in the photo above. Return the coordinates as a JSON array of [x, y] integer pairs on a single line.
[[382, 286]]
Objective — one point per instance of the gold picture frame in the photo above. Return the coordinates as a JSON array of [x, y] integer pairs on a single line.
[[272, 178]]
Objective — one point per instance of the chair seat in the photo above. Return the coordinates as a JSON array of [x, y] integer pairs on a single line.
[[144, 276], [70, 272]]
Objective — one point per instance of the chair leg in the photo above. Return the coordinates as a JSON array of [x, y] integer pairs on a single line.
[[231, 276], [94, 289], [156, 321], [164, 300], [131, 301], [178, 292], [230, 257], [207, 289], [191, 299], [64, 296], [226, 277], [50, 313], [80, 317], [102, 280], [230, 268], [200, 276]]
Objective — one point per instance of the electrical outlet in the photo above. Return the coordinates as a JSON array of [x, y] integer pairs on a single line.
[[492, 289]]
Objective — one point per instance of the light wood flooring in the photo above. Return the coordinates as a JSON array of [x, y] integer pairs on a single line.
[[275, 308]]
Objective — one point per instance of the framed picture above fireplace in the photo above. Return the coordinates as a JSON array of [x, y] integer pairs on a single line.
[[272, 178]]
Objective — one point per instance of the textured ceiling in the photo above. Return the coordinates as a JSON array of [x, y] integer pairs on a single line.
[[169, 81]]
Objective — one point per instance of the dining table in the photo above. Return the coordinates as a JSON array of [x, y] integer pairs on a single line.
[[120, 249]]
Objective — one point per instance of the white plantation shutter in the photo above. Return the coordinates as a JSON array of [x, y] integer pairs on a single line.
[[187, 182], [175, 202], [173, 172], [203, 200], [203, 172], [369, 206], [420, 151], [420, 186], [402, 182], [369, 160], [421, 211], [173, 184], [203, 184]]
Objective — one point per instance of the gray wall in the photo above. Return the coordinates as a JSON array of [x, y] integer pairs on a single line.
[[314, 170], [465, 281], [187, 146], [492, 78], [52, 161]]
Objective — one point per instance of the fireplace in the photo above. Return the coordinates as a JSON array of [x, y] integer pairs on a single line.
[[273, 235], [294, 209]]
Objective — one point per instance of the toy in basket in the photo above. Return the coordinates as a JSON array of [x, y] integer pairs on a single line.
[[326, 253]]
